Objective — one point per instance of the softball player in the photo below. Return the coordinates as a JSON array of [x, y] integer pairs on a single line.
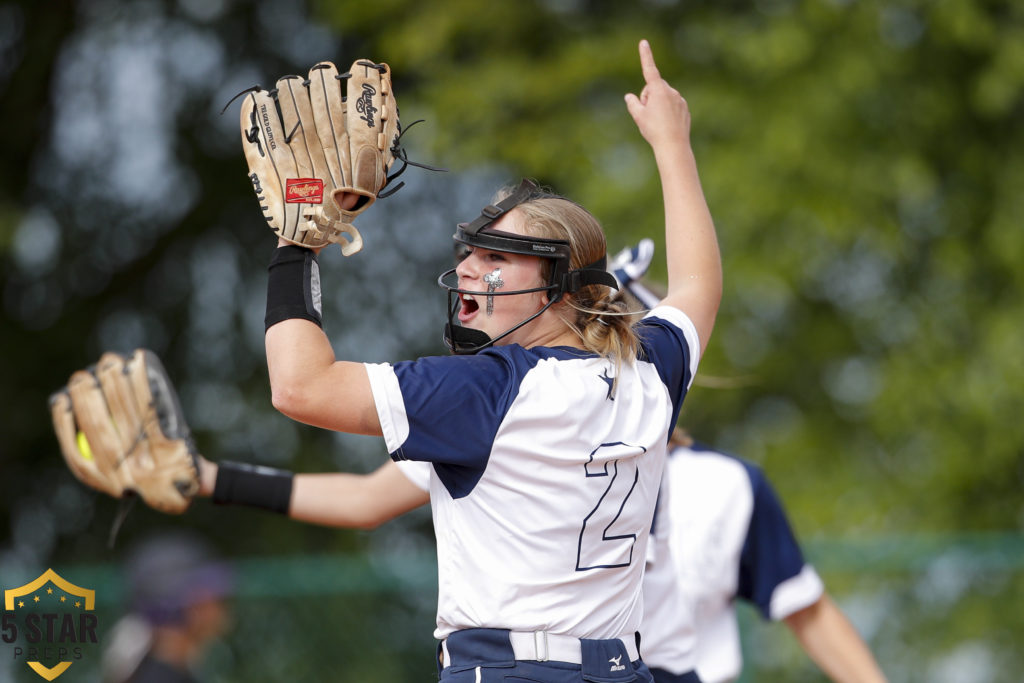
[[729, 538], [178, 592], [547, 428], [720, 533]]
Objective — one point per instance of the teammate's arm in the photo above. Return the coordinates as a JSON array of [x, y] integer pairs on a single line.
[[362, 501], [832, 642], [694, 262], [341, 499]]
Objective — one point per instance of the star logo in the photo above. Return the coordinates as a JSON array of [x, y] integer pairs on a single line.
[[33, 615], [609, 381]]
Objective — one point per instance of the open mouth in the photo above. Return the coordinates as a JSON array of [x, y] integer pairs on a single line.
[[468, 309]]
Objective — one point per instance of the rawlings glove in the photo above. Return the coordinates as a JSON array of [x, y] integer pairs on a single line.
[[319, 150], [120, 429]]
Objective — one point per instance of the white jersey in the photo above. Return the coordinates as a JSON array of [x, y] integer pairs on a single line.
[[544, 481], [416, 472], [728, 537]]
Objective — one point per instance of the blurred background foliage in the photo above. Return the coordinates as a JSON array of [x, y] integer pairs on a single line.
[[862, 159]]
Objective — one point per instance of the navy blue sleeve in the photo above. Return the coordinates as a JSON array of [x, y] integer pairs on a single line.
[[455, 404], [664, 345], [770, 554]]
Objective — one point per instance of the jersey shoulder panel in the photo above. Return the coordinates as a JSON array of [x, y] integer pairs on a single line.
[[668, 340], [771, 554], [448, 409]]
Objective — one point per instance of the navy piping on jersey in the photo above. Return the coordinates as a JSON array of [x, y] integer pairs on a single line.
[[657, 511]]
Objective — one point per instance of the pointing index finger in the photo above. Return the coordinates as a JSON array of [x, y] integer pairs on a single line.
[[650, 70]]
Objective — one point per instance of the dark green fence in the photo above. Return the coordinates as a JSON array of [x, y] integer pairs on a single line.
[[935, 609]]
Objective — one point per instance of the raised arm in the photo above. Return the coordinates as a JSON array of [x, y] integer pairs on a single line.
[[307, 383], [829, 639], [694, 262]]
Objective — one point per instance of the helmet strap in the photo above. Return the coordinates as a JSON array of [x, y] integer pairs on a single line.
[[493, 212]]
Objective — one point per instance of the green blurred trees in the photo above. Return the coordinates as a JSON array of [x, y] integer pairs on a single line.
[[861, 158], [862, 162]]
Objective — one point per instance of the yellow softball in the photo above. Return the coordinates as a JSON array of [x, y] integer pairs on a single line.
[[83, 446]]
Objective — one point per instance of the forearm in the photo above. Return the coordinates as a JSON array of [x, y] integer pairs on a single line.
[[832, 642], [691, 242], [296, 345], [359, 501], [337, 499], [307, 384], [691, 245]]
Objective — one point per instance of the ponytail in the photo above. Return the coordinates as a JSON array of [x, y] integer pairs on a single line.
[[604, 324]]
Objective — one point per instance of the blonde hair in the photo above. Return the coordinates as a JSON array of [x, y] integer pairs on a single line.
[[603, 323], [680, 437]]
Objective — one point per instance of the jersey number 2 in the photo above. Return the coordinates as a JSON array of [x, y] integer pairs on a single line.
[[606, 543]]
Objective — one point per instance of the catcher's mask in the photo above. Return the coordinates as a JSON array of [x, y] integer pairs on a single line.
[[464, 340]]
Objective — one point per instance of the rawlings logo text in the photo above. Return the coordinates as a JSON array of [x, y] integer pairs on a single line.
[[304, 191], [364, 105]]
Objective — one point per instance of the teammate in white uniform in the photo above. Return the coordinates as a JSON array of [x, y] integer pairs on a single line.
[[547, 430], [721, 533]]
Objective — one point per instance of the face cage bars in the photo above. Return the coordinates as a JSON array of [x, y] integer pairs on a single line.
[[563, 281]]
